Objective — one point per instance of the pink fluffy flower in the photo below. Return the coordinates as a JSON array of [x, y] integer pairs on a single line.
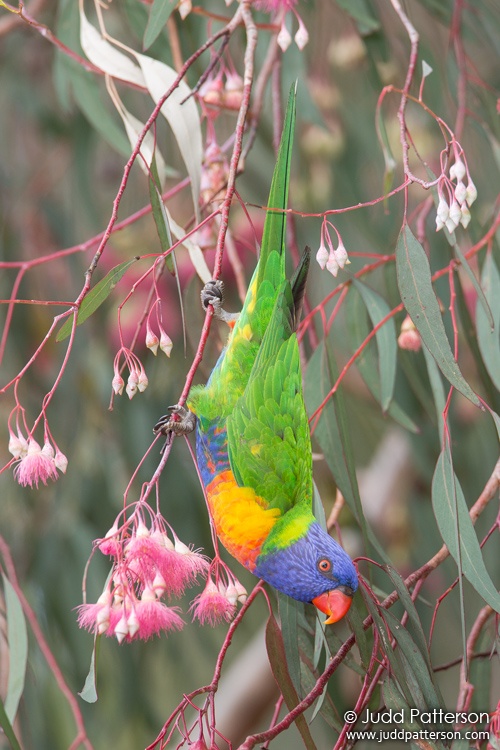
[[129, 619], [36, 466], [212, 606]]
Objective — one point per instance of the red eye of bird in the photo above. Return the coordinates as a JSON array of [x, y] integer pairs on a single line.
[[324, 565]]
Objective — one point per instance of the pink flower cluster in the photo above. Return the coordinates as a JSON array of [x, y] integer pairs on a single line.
[[35, 463], [455, 198], [409, 337], [330, 257], [219, 599], [149, 564]]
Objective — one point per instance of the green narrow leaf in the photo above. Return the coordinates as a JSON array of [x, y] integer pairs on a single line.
[[431, 697], [448, 500], [385, 643], [96, 297], [481, 298], [7, 728], [289, 617], [355, 618], [277, 659], [385, 337], [394, 699], [367, 363], [488, 330], [17, 638], [408, 604], [160, 215], [415, 285], [158, 16], [437, 389], [89, 691]]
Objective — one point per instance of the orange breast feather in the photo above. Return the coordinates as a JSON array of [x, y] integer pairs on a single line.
[[241, 519]]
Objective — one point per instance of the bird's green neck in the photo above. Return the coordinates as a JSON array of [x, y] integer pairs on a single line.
[[288, 529]]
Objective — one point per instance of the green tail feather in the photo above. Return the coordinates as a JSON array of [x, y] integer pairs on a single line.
[[230, 376]]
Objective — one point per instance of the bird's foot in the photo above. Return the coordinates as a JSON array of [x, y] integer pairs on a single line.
[[213, 294], [180, 421]]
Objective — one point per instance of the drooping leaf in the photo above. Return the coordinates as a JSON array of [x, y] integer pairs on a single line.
[[7, 729], [289, 617], [481, 297], [368, 363], [96, 297], [89, 691], [106, 56], [182, 115], [437, 389], [415, 285], [160, 215], [385, 337], [447, 501], [158, 16], [17, 638], [364, 642], [418, 666], [488, 331], [277, 659]]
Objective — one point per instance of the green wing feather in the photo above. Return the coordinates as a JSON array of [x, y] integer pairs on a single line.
[[269, 442]]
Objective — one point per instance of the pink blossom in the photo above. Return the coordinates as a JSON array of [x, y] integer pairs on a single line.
[[35, 467], [212, 606], [131, 619]]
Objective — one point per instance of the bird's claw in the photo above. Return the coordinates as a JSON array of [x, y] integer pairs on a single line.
[[180, 421], [213, 294]]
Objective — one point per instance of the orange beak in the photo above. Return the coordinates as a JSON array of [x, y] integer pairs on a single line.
[[334, 603]]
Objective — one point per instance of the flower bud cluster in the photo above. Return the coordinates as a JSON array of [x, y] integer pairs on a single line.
[[214, 174], [221, 92], [137, 380], [455, 197], [330, 257]]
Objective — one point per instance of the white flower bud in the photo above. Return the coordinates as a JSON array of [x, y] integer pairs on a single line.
[[185, 8], [322, 255], [450, 225], [443, 210], [439, 224], [341, 255], [61, 461], [132, 382], [470, 193], [231, 594], [301, 37], [141, 531], [332, 266], [458, 170], [460, 192], [142, 382], [455, 213], [152, 341], [284, 38], [148, 595], [465, 219], [121, 628], [18, 446], [132, 624], [165, 343], [117, 384]]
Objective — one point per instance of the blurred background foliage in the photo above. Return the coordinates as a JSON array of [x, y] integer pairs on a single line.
[[63, 151]]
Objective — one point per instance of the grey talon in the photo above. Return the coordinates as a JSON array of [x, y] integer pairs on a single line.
[[185, 423], [213, 294]]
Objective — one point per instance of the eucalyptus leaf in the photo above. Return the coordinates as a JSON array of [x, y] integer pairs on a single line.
[[95, 297], [415, 285], [488, 331], [17, 638], [447, 501], [159, 14]]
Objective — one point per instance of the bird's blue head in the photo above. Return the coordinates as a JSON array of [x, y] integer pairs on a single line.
[[313, 569]]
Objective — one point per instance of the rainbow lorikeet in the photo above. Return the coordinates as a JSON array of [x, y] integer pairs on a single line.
[[253, 442]]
